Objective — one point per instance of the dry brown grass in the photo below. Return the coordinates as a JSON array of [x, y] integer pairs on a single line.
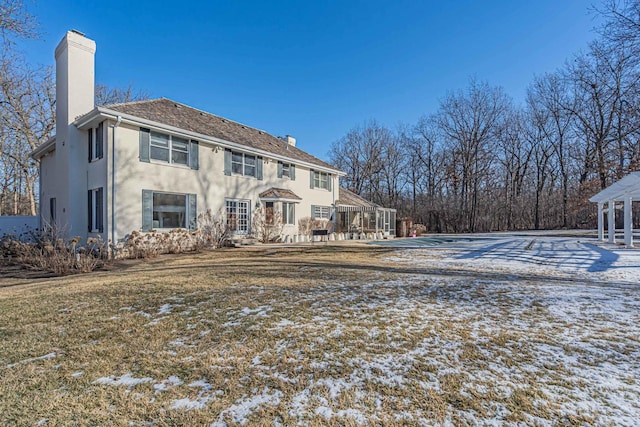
[[325, 335]]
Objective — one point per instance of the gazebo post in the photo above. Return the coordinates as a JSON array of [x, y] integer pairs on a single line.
[[611, 217], [600, 221], [628, 223]]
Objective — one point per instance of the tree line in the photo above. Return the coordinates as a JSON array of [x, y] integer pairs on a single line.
[[482, 163]]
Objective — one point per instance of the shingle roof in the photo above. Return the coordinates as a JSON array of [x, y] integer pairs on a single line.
[[349, 198], [279, 193], [182, 116]]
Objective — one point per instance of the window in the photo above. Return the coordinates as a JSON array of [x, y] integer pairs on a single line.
[[237, 163], [320, 180], [286, 170], [243, 164], [168, 148], [288, 213], [168, 210], [238, 216], [95, 210], [94, 142], [320, 212]]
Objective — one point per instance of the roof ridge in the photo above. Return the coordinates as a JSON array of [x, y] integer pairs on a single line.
[[139, 101]]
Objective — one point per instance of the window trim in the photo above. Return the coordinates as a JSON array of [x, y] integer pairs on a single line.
[[317, 181], [246, 229], [320, 209], [286, 170], [243, 164], [96, 210], [95, 138], [191, 210], [286, 218], [170, 149]]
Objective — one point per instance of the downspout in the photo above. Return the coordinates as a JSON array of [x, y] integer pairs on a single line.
[[114, 238]]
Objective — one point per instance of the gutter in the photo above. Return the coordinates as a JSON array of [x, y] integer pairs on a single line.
[[114, 238], [112, 114], [40, 151]]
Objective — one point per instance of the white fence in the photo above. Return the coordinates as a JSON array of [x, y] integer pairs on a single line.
[[17, 225]]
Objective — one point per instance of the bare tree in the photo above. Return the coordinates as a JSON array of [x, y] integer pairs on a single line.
[[359, 153], [602, 80], [106, 95], [469, 121], [27, 117], [550, 106], [621, 26], [16, 21]]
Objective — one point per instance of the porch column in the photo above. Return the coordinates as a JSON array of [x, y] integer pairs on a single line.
[[611, 216], [628, 224], [600, 222]]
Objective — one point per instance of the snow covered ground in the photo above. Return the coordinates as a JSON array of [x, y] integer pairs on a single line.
[[534, 253], [469, 330], [545, 332]]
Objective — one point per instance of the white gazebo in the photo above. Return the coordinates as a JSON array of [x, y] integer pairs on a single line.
[[626, 191]]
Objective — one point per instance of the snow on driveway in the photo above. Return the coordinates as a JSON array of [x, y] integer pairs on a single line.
[[535, 254]]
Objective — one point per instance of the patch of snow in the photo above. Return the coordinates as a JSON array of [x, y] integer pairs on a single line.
[[243, 408], [205, 386], [165, 309], [172, 381], [77, 374], [125, 380], [284, 323], [33, 359], [189, 404]]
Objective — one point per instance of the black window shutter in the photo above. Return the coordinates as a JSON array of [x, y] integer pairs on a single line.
[[90, 143], [145, 135], [311, 176], [52, 210], [227, 161], [99, 210], [193, 154], [259, 168], [193, 212], [99, 140], [279, 169], [329, 179], [147, 210], [292, 172], [90, 210], [313, 211]]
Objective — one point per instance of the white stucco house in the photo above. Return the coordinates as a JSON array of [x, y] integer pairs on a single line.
[[156, 164]]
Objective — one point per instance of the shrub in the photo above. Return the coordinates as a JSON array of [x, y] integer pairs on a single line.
[[47, 251], [212, 231], [266, 228], [307, 224]]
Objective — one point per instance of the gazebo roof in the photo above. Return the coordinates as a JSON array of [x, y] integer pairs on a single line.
[[629, 186]]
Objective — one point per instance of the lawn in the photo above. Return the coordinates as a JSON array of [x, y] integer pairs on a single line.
[[325, 335]]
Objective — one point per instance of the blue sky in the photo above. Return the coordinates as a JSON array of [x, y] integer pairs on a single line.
[[316, 69]]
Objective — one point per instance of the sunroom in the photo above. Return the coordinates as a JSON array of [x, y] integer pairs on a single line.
[[355, 214]]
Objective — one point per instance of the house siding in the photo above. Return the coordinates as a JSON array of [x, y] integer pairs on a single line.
[[208, 182]]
